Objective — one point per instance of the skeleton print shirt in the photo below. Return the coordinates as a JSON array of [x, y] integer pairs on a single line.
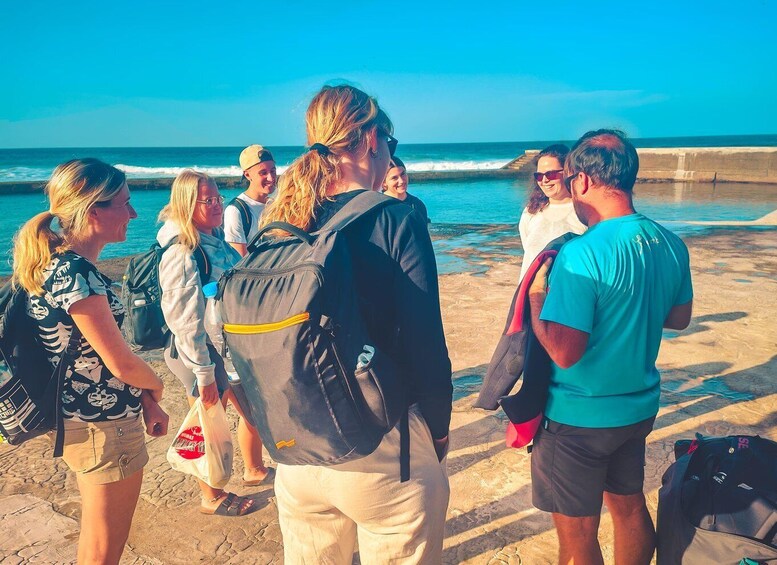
[[90, 392]]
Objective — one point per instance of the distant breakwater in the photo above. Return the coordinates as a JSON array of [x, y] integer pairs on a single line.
[[677, 164], [692, 164]]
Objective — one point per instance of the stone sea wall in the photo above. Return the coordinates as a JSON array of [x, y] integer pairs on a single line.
[[698, 164]]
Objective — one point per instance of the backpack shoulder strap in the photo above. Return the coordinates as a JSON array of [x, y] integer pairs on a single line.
[[360, 205], [245, 214], [11, 302], [203, 265], [200, 258], [70, 353]]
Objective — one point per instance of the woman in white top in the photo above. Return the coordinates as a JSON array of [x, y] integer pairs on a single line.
[[193, 219], [549, 212]]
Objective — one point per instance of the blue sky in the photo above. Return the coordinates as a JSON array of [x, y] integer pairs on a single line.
[[157, 73]]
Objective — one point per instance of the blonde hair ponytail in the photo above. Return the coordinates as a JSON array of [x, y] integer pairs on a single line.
[[74, 187], [338, 117], [183, 200]]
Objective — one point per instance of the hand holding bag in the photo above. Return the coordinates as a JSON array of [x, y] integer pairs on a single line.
[[203, 445]]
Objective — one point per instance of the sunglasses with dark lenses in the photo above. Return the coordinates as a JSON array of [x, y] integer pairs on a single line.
[[550, 175], [392, 144], [568, 181]]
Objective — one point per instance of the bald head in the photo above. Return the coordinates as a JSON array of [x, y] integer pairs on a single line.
[[607, 157]]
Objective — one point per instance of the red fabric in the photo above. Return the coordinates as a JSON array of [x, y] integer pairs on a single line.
[[520, 435], [516, 324]]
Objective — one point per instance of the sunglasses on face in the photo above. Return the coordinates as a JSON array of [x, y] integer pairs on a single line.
[[549, 175], [392, 144], [212, 201], [568, 181]]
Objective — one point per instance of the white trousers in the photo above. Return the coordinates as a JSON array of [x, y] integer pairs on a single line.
[[324, 510]]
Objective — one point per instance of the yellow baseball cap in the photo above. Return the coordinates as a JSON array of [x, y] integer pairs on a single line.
[[253, 155]]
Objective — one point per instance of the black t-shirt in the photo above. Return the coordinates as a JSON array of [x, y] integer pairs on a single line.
[[396, 278], [90, 392], [415, 203]]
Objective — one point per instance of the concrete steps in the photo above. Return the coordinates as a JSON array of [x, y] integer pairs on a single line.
[[524, 163]]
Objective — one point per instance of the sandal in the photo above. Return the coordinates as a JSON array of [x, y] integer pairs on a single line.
[[232, 505], [268, 479]]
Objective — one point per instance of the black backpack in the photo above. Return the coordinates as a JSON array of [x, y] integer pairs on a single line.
[[30, 391], [245, 214], [320, 392], [718, 502], [144, 324]]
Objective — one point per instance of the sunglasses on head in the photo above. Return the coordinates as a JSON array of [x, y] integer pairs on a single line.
[[392, 144], [550, 175]]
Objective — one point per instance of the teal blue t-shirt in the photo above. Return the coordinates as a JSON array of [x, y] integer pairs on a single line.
[[617, 282]]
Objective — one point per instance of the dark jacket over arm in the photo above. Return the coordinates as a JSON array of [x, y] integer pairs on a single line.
[[396, 277]]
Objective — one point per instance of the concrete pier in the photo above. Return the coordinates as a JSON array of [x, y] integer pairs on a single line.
[[698, 164]]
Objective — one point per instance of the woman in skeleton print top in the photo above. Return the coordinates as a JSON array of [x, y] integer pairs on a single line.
[[106, 384], [90, 391]]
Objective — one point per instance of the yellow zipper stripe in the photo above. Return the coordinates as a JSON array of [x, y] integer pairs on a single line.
[[248, 329]]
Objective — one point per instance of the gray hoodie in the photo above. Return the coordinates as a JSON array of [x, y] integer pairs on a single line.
[[183, 303]]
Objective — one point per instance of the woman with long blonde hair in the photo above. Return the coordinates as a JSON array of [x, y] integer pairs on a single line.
[[192, 224], [106, 384], [323, 510]]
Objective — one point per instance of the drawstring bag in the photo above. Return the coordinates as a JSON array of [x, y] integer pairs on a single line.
[[203, 445]]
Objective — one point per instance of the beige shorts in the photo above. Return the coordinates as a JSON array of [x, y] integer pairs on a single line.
[[105, 452]]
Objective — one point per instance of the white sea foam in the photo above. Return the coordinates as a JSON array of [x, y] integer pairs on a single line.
[[234, 171], [134, 171], [419, 166], [26, 174]]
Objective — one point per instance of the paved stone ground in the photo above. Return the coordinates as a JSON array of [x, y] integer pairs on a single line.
[[718, 378]]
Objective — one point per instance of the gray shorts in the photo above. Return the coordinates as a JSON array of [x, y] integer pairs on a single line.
[[572, 467], [189, 379]]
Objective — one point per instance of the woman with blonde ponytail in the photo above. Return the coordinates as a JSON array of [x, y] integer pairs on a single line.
[[106, 385], [192, 223], [323, 510]]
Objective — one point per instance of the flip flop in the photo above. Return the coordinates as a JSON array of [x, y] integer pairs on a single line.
[[268, 479], [232, 505]]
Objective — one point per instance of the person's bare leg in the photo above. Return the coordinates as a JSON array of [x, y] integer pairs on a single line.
[[635, 536], [213, 497], [250, 444], [106, 518], [578, 540]]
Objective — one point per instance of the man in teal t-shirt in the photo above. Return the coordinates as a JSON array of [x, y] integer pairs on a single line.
[[610, 294]]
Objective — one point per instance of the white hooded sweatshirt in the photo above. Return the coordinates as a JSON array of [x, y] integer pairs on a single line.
[[183, 303]]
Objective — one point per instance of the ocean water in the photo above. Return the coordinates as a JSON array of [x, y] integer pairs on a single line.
[[152, 162], [469, 214], [465, 214]]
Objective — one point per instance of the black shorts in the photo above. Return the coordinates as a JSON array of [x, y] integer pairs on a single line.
[[572, 467]]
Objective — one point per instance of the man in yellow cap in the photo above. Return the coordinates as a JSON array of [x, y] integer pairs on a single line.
[[241, 215]]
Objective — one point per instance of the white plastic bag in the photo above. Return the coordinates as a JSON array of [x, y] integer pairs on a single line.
[[203, 445]]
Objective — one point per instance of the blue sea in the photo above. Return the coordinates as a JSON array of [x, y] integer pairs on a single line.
[[461, 211], [166, 162]]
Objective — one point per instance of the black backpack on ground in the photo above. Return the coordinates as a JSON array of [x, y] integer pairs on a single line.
[[30, 391], [320, 392], [718, 503], [144, 324], [245, 214]]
